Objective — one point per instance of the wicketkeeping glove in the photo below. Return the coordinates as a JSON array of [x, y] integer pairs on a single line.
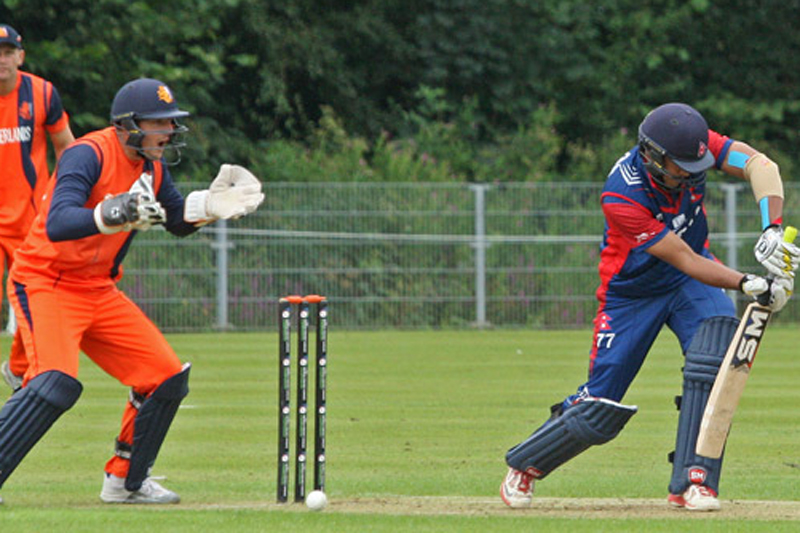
[[772, 293], [235, 192], [128, 211], [779, 257]]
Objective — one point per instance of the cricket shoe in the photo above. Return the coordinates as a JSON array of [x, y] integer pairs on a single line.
[[14, 381], [114, 491], [517, 489], [695, 498]]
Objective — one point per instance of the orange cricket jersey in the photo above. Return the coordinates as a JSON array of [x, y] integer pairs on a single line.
[[30, 111], [92, 260]]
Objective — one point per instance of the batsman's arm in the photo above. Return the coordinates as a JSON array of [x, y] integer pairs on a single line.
[[673, 250]]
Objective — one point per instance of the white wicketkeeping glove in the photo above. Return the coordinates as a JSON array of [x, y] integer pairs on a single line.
[[772, 293], [779, 257], [235, 192]]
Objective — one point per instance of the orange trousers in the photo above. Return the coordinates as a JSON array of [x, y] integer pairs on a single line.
[[58, 321], [17, 361]]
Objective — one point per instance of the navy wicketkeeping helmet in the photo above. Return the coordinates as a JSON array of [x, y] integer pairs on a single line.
[[147, 99], [680, 132]]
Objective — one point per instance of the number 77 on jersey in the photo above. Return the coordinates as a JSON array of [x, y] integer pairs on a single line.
[[732, 377]]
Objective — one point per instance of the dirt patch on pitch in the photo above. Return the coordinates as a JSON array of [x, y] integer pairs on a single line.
[[599, 508], [602, 508]]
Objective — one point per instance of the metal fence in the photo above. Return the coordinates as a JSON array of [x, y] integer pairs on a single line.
[[406, 255]]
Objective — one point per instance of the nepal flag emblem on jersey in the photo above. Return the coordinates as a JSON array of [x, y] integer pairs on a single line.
[[602, 321]]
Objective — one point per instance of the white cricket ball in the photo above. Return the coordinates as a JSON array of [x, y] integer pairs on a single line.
[[316, 500]]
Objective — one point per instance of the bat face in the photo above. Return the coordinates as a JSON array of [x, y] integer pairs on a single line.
[[730, 382], [732, 376], [750, 340]]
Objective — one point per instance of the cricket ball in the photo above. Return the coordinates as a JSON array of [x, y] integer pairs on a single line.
[[316, 500]]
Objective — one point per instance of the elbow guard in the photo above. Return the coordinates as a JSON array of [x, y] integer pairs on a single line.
[[764, 177]]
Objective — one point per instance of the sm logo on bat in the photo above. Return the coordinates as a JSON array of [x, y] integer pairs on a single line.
[[751, 337]]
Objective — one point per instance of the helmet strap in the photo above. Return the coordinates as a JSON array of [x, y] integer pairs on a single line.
[[655, 164], [135, 134]]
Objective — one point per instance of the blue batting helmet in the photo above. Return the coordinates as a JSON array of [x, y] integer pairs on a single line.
[[146, 99], [680, 132]]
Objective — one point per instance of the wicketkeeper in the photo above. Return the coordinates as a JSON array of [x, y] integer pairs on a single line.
[[655, 270], [107, 186]]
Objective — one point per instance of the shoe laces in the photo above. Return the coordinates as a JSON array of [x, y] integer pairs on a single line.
[[525, 480], [705, 491], [150, 487]]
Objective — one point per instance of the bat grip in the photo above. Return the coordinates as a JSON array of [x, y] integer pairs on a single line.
[[763, 298]]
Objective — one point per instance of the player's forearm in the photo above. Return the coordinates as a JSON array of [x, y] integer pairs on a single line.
[[173, 202], [673, 250], [711, 272], [67, 218], [65, 223]]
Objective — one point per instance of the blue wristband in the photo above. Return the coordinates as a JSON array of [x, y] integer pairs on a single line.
[[766, 220]]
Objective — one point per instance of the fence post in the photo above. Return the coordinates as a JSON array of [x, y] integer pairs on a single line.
[[731, 230], [221, 247], [479, 244]]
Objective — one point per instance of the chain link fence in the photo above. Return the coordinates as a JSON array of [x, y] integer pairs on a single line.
[[406, 255]]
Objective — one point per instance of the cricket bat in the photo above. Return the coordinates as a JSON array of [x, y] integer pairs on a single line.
[[733, 374]]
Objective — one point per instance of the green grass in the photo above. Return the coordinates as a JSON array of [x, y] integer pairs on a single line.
[[411, 414]]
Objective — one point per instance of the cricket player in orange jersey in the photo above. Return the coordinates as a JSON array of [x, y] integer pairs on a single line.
[[107, 186], [30, 109]]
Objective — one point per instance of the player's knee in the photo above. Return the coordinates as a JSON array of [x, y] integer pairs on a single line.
[[56, 388], [597, 420], [176, 387], [569, 432], [156, 377], [707, 349]]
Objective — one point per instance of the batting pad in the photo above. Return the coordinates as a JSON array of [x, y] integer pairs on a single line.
[[590, 422], [151, 425], [30, 412], [703, 360]]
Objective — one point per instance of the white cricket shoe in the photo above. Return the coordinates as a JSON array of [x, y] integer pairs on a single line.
[[696, 498], [517, 489], [151, 492], [14, 381]]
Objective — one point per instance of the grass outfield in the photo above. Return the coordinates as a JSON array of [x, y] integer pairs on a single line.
[[418, 426]]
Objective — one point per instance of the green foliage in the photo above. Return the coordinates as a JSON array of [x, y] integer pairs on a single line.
[[529, 154], [485, 89], [592, 162]]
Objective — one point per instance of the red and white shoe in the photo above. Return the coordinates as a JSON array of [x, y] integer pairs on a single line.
[[517, 489], [696, 498]]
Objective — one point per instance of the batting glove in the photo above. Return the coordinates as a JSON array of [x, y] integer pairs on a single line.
[[772, 293], [128, 211], [779, 257], [235, 192]]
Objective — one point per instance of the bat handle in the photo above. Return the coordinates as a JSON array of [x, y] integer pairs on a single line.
[[789, 234]]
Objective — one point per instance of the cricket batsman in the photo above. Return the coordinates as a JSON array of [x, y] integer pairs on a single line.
[[107, 186], [656, 270]]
